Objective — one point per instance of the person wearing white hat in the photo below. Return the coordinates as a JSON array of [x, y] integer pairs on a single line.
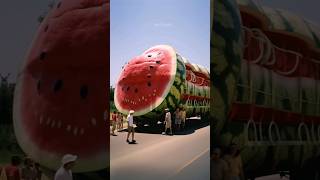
[[167, 121], [64, 172], [130, 126]]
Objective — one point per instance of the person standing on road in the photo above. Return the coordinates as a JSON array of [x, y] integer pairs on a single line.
[[64, 172], [38, 171], [219, 168], [177, 119], [113, 122], [28, 172], [183, 117], [13, 171], [130, 126], [2, 173], [120, 121], [234, 161], [167, 122]]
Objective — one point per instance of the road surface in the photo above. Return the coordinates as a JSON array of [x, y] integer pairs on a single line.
[[159, 157]]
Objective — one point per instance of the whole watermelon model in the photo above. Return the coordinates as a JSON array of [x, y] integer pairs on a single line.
[[160, 78], [61, 91]]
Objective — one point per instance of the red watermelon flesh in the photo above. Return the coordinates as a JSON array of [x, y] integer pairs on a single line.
[[146, 80], [60, 95]]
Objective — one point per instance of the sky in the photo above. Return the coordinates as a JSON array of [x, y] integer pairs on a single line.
[[140, 24], [19, 24]]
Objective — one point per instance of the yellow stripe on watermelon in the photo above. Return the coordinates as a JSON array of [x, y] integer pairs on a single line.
[[170, 102], [177, 80], [219, 44]]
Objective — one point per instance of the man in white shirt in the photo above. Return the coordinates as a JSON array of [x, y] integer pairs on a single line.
[[64, 172], [167, 121], [130, 126]]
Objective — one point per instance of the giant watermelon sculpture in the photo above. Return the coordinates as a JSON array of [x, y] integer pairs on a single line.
[[265, 71], [61, 92], [160, 78]]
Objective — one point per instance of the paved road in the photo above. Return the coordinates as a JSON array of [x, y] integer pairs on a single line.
[[155, 156]]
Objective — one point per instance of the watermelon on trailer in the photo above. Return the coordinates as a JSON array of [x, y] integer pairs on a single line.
[[60, 97], [151, 82]]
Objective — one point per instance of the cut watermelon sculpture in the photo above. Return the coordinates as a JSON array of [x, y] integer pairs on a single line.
[[160, 78], [61, 91]]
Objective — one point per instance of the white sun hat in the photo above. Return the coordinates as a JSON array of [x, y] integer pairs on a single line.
[[68, 158]]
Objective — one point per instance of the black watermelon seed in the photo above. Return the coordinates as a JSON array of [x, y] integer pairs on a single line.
[[158, 62], [151, 67], [149, 84], [149, 55], [136, 90], [84, 91], [43, 55], [46, 28], [38, 86], [58, 5], [149, 75], [57, 85]]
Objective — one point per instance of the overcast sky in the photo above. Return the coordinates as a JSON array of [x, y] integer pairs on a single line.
[[19, 23]]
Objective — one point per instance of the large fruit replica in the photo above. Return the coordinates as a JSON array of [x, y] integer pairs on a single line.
[[267, 100], [160, 78], [61, 92]]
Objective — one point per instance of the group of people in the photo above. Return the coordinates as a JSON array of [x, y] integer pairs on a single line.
[[29, 171], [179, 117], [32, 171], [227, 165], [116, 122], [179, 120]]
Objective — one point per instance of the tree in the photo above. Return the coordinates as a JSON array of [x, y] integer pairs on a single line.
[[111, 95], [6, 100]]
